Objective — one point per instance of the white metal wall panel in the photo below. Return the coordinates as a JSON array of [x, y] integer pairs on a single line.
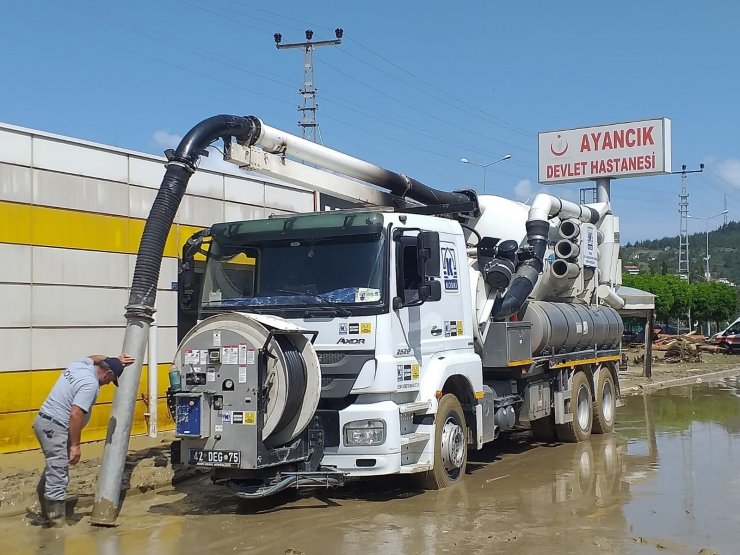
[[57, 347], [19, 356], [79, 193], [244, 190], [15, 300], [15, 183], [206, 184], [16, 264], [166, 344], [78, 306], [74, 267], [238, 212], [200, 211], [146, 173], [140, 201], [166, 314], [15, 148], [80, 160], [290, 200]]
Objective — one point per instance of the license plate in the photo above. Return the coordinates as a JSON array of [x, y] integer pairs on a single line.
[[207, 457]]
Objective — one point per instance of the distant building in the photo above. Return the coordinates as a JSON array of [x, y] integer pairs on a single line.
[[631, 269]]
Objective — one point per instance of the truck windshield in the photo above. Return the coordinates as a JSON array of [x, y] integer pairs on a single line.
[[288, 263]]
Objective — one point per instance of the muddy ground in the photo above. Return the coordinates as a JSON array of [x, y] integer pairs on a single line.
[[394, 517]]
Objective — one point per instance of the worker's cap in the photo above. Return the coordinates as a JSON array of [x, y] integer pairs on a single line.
[[116, 367]]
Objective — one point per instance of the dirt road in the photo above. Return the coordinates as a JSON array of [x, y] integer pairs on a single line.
[[665, 480]]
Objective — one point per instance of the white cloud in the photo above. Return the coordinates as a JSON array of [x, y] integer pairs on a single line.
[[729, 170], [164, 139], [523, 190]]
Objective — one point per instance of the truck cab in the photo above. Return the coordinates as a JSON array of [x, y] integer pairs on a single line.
[[387, 296]]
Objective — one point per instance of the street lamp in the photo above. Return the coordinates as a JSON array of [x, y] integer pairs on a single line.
[[706, 231], [485, 166]]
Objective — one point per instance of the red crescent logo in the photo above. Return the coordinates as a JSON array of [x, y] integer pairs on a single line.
[[558, 152]]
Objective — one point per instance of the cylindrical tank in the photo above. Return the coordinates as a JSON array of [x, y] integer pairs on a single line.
[[564, 327]]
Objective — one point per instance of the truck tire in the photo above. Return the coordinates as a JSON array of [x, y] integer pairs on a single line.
[[543, 429], [605, 403], [450, 446], [581, 407]]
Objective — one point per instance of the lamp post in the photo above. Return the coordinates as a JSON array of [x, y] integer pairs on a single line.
[[485, 166], [706, 232]]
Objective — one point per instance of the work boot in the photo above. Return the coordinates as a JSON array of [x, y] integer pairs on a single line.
[[38, 509], [56, 512]]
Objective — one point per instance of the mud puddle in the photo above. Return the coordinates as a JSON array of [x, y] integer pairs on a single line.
[[666, 481]]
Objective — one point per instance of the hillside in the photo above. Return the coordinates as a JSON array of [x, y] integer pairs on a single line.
[[660, 256]]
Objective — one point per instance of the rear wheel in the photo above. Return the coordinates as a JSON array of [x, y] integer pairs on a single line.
[[581, 408], [605, 404], [450, 446]]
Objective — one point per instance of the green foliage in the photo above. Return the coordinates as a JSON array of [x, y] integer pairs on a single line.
[[709, 301], [661, 255]]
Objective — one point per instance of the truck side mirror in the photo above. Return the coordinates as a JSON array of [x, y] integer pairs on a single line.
[[189, 283], [427, 254], [431, 291], [190, 273]]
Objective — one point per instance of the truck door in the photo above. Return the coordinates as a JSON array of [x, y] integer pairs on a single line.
[[454, 323], [418, 329]]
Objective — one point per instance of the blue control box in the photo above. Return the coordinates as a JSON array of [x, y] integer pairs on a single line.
[[188, 416]]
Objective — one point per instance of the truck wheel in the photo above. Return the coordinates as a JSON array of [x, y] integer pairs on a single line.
[[450, 446], [605, 405], [581, 408], [543, 429]]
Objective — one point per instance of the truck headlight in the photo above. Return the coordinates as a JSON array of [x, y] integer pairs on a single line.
[[364, 432]]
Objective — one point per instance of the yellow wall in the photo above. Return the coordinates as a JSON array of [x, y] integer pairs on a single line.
[[24, 392]]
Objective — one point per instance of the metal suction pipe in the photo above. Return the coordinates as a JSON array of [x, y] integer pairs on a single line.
[[140, 309]]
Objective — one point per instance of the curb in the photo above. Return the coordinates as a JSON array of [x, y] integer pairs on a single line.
[[649, 387]]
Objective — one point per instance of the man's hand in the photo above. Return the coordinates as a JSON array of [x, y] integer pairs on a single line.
[[126, 359], [74, 454]]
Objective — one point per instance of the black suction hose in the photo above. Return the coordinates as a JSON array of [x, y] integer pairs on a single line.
[[526, 275], [181, 165]]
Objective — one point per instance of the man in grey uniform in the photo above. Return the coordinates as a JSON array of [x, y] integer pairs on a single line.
[[60, 421]]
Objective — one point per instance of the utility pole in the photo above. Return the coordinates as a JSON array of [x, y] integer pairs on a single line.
[[725, 209], [308, 124], [683, 238]]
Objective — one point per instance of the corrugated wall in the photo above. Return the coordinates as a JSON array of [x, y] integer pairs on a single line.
[[71, 218]]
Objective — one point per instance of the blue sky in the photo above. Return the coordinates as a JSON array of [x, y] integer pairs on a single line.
[[414, 86]]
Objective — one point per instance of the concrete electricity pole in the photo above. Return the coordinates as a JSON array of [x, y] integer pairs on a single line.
[[308, 124]]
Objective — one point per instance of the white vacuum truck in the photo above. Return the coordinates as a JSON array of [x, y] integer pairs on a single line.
[[386, 340]]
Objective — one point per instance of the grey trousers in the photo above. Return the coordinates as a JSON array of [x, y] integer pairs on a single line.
[[54, 440]]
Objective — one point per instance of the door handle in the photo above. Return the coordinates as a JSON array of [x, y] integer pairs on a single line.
[[436, 331]]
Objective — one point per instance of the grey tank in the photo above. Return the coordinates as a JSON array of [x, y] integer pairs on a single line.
[[567, 327]]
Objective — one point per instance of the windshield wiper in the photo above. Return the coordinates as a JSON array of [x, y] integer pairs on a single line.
[[325, 305]]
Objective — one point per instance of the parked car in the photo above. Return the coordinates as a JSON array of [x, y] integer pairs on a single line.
[[729, 338]]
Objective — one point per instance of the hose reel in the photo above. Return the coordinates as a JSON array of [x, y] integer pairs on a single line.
[[286, 392]]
